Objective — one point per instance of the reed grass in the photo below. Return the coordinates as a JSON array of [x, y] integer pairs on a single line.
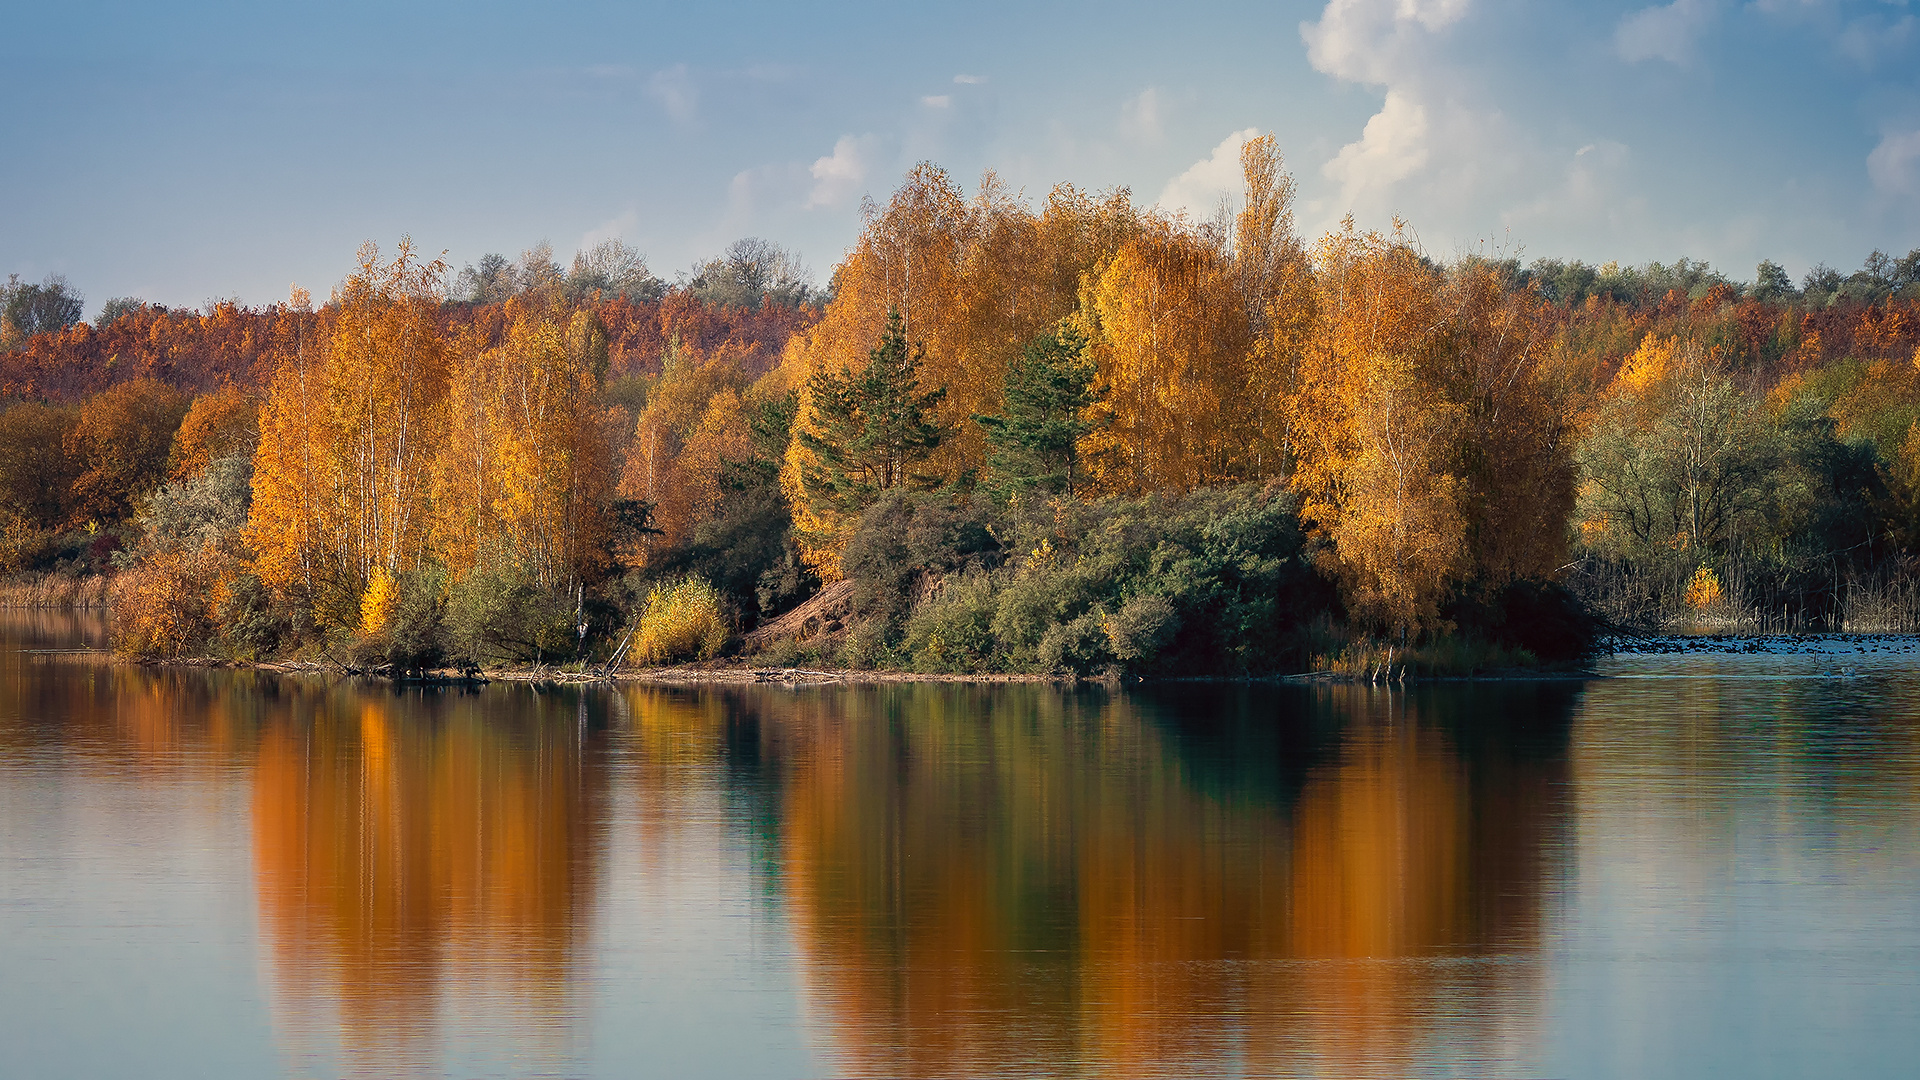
[[90, 592], [1446, 657]]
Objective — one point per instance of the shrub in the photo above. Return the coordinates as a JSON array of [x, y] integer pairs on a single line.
[[1220, 580], [907, 539], [164, 607], [181, 573], [251, 624], [681, 620], [500, 613], [953, 631], [403, 619], [23, 544], [207, 507], [1217, 581], [866, 645]]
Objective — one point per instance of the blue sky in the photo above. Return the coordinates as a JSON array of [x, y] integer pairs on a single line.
[[186, 152]]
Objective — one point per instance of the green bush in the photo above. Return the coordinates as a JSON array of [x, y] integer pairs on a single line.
[[251, 624], [497, 613], [907, 538], [1218, 581], [953, 631], [415, 635]]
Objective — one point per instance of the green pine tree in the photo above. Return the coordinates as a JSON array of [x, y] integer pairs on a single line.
[[871, 428], [1050, 404]]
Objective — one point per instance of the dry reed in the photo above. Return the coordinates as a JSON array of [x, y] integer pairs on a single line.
[[68, 591]]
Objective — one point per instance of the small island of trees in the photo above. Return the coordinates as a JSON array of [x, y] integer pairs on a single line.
[[1083, 438]]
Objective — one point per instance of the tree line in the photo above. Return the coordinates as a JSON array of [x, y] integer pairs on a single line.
[[1080, 435]]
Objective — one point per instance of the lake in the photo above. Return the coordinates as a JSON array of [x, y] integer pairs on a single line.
[[1698, 865]]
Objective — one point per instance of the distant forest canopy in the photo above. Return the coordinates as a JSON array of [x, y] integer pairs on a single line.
[[756, 295], [747, 301], [1081, 435]]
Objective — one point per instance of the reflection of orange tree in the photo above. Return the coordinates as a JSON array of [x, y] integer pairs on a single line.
[[1058, 883], [131, 723], [408, 856]]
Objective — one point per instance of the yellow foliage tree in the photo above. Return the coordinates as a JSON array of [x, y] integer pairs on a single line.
[[523, 474], [1426, 442], [684, 488], [349, 430], [121, 441], [1171, 338]]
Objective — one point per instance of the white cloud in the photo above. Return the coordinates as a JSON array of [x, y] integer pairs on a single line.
[[673, 89], [1143, 116], [1199, 190], [1392, 147], [969, 80], [1391, 43], [1365, 40], [937, 101], [614, 228], [838, 177], [1662, 33], [1894, 165]]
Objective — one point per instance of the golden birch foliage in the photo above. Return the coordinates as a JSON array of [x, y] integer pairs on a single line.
[[349, 430], [1375, 430], [676, 411], [724, 434], [466, 477], [1516, 458], [1428, 442], [1171, 339], [523, 473], [1277, 289], [296, 486]]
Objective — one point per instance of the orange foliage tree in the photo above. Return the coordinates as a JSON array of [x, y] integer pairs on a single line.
[[694, 418], [349, 430], [1428, 446], [221, 424], [121, 440]]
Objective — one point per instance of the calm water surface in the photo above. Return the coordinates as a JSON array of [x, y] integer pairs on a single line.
[[1708, 866]]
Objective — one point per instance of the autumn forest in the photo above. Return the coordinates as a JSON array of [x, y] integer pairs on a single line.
[[1078, 436]]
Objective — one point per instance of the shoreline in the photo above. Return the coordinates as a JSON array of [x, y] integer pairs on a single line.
[[743, 672], [752, 675]]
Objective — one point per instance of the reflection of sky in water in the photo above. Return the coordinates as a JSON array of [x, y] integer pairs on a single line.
[[222, 874], [1746, 898]]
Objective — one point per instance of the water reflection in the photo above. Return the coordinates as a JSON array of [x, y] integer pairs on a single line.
[[1715, 873], [425, 869], [986, 880]]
